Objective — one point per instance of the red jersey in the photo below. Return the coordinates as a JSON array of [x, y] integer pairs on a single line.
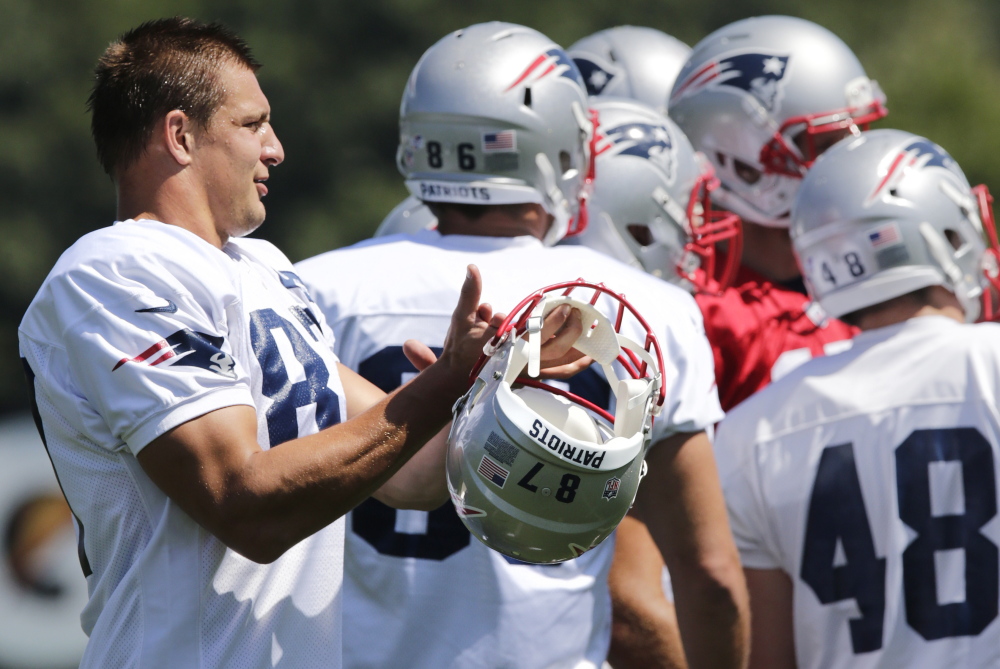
[[760, 330]]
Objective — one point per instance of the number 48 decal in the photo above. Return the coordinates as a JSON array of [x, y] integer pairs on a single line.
[[837, 515]]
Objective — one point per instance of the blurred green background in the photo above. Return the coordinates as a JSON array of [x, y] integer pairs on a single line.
[[334, 72]]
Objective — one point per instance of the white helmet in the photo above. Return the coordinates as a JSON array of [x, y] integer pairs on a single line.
[[497, 114], [540, 474], [760, 98], [650, 206], [410, 215], [888, 213], [631, 62]]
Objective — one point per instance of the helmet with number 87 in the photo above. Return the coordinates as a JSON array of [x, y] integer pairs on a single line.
[[651, 205], [888, 213], [762, 98], [631, 62], [540, 474], [497, 114]]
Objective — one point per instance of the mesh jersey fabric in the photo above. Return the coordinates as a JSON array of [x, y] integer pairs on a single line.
[[138, 328]]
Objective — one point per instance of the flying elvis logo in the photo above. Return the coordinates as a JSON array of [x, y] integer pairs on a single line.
[[187, 348], [596, 76], [555, 62], [916, 155], [761, 75], [645, 140]]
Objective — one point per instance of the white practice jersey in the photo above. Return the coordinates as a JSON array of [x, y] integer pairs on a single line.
[[870, 477], [419, 591], [141, 327]]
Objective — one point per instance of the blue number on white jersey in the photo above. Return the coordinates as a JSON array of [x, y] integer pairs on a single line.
[[837, 513]]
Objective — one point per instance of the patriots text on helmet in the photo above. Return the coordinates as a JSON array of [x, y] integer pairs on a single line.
[[436, 191], [581, 456]]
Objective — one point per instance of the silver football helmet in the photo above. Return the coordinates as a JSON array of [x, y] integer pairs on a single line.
[[410, 215], [540, 474], [762, 98], [630, 62], [497, 114], [650, 206], [887, 213]]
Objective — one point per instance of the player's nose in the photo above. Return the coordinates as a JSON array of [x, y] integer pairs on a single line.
[[271, 151]]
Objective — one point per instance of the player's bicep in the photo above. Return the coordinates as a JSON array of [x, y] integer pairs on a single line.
[[204, 466]]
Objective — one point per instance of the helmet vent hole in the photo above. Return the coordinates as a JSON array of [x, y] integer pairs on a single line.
[[612, 56], [640, 233], [565, 161], [954, 238], [527, 96], [893, 192]]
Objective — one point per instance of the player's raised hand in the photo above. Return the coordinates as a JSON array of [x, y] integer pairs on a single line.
[[472, 326]]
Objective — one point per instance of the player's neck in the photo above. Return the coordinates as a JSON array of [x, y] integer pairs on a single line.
[[498, 222], [169, 201], [940, 302], [768, 251]]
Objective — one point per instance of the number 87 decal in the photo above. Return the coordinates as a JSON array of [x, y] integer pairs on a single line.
[[837, 515]]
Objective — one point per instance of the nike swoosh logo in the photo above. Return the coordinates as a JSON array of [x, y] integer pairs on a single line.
[[167, 308]]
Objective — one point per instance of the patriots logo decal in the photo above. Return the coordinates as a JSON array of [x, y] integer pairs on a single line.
[[596, 76], [645, 140], [554, 62], [916, 155], [761, 75], [187, 348]]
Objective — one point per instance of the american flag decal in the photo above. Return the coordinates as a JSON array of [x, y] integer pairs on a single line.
[[886, 235], [505, 140], [493, 472]]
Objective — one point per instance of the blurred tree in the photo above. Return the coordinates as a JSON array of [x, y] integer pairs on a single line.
[[334, 72]]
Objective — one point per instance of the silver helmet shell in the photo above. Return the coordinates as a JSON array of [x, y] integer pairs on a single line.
[[537, 473], [630, 62], [761, 98], [888, 213], [497, 113], [650, 205], [409, 216]]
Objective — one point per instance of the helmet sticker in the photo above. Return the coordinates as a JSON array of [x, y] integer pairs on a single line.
[[645, 140], [554, 61], [501, 449], [611, 487], [492, 472], [916, 155], [761, 75], [504, 140], [596, 75]]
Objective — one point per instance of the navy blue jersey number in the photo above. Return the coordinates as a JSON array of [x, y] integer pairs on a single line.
[[288, 396], [446, 535], [837, 515]]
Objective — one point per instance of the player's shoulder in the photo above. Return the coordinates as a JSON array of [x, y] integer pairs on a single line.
[[262, 251], [376, 256]]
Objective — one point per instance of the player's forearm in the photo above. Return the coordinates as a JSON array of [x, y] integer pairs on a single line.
[[713, 617], [303, 486]]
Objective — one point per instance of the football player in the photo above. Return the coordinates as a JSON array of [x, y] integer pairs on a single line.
[[630, 62], [762, 98], [168, 358], [495, 138], [862, 487], [651, 208]]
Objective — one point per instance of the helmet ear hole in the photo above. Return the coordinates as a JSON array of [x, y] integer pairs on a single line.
[[954, 238], [641, 233], [565, 161], [527, 96]]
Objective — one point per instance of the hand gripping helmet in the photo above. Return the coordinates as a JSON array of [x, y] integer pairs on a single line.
[[409, 216], [764, 96], [497, 114], [540, 474], [886, 214], [630, 62], [650, 205]]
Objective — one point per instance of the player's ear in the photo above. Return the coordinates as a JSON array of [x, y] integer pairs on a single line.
[[178, 136]]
